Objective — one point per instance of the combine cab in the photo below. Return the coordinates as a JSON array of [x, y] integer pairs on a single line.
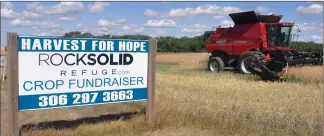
[[255, 44]]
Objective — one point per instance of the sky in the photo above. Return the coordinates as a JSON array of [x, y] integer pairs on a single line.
[[151, 18]]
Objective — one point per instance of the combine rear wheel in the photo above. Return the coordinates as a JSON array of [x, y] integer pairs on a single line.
[[244, 62], [215, 64]]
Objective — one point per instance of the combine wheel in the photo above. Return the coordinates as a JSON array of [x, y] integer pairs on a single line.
[[215, 64], [244, 62]]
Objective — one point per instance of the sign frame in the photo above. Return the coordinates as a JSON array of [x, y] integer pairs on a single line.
[[10, 115]]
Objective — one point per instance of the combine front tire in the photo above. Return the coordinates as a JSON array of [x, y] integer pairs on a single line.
[[215, 64], [243, 62]]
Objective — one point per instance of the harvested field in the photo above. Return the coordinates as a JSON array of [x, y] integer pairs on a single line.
[[199, 61], [309, 73]]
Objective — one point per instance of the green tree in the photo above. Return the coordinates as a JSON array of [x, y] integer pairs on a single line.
[[186, 44]]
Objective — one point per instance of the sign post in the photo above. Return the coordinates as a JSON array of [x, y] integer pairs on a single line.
[[9, 116], [151, 81], [53, 72]]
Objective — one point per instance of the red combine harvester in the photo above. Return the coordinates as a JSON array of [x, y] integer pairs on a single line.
[[255, 44]]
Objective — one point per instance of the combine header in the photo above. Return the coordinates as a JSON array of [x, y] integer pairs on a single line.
[[256, 44]]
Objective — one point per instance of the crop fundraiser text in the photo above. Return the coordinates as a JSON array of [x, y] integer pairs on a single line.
[[60, 72]]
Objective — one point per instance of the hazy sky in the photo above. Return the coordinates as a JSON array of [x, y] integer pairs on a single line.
[[151, 18]]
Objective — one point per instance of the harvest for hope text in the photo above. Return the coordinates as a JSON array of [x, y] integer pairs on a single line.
[[89, 45]]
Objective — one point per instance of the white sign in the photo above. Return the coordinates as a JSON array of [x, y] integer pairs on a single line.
[[65, 72], [3, 61]]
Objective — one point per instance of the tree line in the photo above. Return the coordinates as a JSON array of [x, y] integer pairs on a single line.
[[186, 44], [307, 46]]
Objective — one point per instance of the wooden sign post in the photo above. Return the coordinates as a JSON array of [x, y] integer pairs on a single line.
[[9, 113], [151, 80]]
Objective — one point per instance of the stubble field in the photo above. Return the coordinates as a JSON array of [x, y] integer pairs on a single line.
[[191, 101]]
